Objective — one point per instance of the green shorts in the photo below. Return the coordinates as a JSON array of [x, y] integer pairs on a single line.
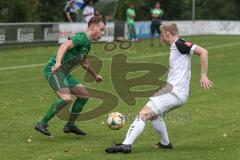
[[59, 80]]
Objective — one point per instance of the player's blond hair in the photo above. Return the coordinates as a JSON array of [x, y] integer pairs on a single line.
[[170, 27]]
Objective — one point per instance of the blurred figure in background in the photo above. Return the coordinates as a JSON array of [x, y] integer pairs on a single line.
[[70, 11], [131, 15], [98, 14], [88, 11], [156, 14], [109, 18]]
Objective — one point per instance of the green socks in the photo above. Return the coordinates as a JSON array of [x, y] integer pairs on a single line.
[[59, 104], [54, 108], [76, 109]]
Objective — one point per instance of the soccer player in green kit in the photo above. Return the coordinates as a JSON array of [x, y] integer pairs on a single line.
[[70, 55], [156, 14]]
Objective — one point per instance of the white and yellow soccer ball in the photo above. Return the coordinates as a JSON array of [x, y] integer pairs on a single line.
[[115, 120]]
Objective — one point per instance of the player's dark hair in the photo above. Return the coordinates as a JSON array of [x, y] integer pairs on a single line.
[[96, 20]]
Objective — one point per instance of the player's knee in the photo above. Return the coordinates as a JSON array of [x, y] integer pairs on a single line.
[[145, 116], [68, 100], [141, 116], [85, 95]]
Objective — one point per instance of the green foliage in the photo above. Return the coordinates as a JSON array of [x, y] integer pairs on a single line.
[[182, 9], [52, 10], [218, 9], [31, 11], [17, 10]]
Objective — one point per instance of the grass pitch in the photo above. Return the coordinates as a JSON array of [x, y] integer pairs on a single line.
[[206, 128]]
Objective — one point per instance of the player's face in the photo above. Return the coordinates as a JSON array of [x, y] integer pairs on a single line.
[[157, 5], [165, 37], [98, 30]]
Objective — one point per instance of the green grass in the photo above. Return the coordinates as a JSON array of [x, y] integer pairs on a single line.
[[25, 97]]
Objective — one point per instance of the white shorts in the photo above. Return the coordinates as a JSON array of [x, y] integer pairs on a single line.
[[164, 103]]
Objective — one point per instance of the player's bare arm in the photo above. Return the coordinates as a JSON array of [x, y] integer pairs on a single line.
[[61, 51], [204, 81], [88, 67]]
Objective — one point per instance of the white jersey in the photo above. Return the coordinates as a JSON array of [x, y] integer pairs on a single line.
[[88, 10], [179, 74]]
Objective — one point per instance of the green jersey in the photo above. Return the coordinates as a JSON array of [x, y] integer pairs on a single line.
[[74, 56], [130, 14], [157, 12]]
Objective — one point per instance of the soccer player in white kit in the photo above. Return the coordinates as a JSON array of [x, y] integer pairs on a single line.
[[179, 77]]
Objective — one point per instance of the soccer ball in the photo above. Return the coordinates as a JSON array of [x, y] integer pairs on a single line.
[[115, 120]]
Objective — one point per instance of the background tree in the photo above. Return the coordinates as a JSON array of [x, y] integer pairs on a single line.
[[52, 10], [218, 9], [182, 9]]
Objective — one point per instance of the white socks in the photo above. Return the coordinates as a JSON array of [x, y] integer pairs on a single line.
[[137, 128], [134, 131], [161, 129]]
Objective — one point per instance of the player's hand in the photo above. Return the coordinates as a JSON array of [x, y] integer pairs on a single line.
[[99, 78], [56, 68], [205, 83]]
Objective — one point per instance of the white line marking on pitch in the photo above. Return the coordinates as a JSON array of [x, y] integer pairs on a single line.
[[19, 67], [105, 59]]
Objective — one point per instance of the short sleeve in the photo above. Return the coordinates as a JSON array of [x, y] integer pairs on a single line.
[[193, 49], [77, 40], [151, 11], [185, 47], [128, 12]]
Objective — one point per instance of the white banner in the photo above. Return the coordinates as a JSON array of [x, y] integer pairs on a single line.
[[11, 33], [208, 27], [68, 29], [51, 33], [192, 28], [25, 34]]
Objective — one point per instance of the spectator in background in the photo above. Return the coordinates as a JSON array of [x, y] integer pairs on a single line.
[[131, 23], [98, 14], [88, 11], [70, 11], [156, 14], [109, 18]]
